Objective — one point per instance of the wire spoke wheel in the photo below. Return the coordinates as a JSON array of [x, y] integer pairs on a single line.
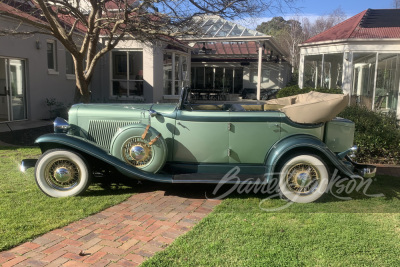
[[62, 173], [303, 178]]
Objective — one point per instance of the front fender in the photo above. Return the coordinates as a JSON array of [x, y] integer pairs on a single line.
[[283, 147], [90, 148]]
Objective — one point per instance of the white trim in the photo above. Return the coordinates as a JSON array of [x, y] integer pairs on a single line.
[[384, 40], [70, 76], [52, 72]]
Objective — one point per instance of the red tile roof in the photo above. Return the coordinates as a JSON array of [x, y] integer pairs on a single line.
[[6, 9], [352, 28]]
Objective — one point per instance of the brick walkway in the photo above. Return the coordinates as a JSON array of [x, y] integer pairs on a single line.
[[123, 235]]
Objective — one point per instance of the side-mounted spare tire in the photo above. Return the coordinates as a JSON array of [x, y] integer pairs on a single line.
[[140, 146]]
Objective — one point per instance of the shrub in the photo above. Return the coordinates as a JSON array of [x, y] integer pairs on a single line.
[[295, 90], [377, 135]]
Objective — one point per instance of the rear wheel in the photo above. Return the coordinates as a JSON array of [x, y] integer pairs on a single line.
[[62, 173], [303, 178]]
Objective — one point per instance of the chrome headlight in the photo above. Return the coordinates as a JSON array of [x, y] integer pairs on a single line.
[[61, 125]]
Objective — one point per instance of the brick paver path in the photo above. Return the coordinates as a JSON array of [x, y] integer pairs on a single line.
[[123, 235]]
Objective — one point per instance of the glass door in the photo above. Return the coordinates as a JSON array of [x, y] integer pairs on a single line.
[[12, 90], [4, 105]]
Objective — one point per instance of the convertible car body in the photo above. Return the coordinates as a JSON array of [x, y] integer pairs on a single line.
[[201, 143]]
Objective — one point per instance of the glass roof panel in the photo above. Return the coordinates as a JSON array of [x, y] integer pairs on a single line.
[[217, 27], [224, 30]]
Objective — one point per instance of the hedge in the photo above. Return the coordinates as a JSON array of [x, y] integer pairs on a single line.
[[377, 135]]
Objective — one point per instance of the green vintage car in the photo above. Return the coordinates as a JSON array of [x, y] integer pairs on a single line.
[[292, 139]]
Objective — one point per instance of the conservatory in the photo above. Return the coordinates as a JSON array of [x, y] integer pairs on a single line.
[[361, 56], [228, 58]]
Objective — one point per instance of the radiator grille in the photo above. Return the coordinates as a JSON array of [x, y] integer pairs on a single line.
[[102, 131]]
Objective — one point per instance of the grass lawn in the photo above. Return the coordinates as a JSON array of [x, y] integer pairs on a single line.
[[363, 231], [25, 212]]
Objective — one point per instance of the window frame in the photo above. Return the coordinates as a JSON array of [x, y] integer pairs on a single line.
[[129, 72], [70, 76], [54, 70], [175, 77]]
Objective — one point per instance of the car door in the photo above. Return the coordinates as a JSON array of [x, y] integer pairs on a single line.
[[252, 134], [201, 136]]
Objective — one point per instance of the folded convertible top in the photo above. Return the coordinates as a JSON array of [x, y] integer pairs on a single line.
[[312, 107]]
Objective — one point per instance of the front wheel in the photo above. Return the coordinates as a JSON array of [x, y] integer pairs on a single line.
[[62, 173], [303, 178]]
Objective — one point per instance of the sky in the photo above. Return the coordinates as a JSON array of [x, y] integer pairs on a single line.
[[350, 7], [312, 9]]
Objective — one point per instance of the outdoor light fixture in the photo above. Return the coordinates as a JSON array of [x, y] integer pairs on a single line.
[[204, 47], [38, 45]]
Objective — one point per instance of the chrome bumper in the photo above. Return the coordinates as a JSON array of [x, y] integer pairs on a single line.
[[364, 170], [26, 164]]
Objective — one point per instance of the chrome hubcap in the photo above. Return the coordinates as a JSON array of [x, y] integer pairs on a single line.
[[137, 152], [62, 174], [303, 179]]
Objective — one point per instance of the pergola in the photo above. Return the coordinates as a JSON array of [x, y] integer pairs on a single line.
[[226, 40]]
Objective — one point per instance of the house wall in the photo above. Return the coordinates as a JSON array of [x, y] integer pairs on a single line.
[[40, 84]]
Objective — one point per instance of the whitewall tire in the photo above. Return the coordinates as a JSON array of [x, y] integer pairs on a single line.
[[303, 178], [62, 173]]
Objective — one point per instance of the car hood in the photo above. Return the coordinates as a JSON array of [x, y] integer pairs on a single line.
[[82, 113]]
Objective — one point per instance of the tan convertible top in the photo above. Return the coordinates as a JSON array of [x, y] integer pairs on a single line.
[[312, 107]]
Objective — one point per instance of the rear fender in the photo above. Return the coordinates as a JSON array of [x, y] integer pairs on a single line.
[[307, 143], [90, 148]]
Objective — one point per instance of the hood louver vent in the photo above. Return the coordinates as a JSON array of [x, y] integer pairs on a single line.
[[102, 131]]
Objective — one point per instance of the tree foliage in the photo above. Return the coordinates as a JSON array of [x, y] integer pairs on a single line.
[[291, 33], [89, 29]]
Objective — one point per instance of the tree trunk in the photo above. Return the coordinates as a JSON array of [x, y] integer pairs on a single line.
[[82, 96]]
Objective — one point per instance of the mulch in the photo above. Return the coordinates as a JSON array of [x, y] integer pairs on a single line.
[[24, 137]]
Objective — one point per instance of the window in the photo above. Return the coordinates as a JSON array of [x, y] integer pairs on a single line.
[[387, 82], [229, 80], [52, 56], [175, 72], [127, 73], [69, 65], [323, 71], [363, 78], [312, 71], [254, 76]]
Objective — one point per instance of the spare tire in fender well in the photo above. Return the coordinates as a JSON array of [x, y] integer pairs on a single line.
[[148, 154]]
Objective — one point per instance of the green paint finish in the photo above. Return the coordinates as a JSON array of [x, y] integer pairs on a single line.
[[250, 141], [166, 127], [339, 134], [290, 129], [201, 141]]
